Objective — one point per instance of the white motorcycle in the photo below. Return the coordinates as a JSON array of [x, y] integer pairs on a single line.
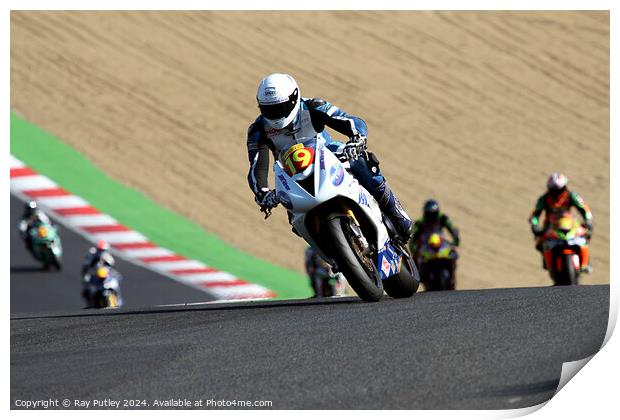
[[339, 218]]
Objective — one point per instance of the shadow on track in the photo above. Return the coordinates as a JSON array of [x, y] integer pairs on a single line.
[[196, 307], [27, 269]]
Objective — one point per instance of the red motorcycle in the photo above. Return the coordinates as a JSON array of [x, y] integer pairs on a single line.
[[566, 250]]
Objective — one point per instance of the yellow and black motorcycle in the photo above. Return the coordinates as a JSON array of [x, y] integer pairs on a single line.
[[437, 261]]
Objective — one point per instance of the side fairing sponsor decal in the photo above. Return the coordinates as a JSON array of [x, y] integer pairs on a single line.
[[363, 200], [388, 261], [337, 174], [386, 267], [284, 183], [285, 200]]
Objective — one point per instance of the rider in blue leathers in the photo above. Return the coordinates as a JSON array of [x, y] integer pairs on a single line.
[[286, 117]]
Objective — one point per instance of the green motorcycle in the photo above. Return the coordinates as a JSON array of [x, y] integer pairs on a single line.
[[46, 246]]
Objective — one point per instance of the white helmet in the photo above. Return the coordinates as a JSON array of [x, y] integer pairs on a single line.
[[557, 182], [278, 99]]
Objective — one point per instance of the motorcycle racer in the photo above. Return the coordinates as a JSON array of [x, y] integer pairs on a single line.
[[432, 221], [32, 217], [556, 202], [97, 253], [286, 118], [321, 274]]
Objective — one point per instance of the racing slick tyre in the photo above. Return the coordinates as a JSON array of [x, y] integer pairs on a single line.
[[403, 284], [444, 279], [359, 269], [56, 262], [568, 276]]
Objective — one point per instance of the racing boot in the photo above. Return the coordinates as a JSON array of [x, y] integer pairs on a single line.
[[390, 205]]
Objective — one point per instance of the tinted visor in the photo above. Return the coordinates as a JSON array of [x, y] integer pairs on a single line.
[[280, 110], [431, 216]]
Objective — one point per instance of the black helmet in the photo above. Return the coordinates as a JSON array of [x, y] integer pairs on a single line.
[[431, 209]]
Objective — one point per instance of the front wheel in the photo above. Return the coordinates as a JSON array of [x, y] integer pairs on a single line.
[[445, 279], [358, 268], [56, 261], [569, 275]]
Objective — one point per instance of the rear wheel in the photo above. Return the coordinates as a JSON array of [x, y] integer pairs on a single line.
[[404, 283], [358, 268]]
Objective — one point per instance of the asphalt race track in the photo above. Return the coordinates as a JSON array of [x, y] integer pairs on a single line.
[[487, 349], [33, 289]]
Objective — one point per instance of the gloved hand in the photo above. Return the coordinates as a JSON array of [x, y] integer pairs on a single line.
[[588, 227], [266, 198], [537, 230], [354, 147], [456, 241]]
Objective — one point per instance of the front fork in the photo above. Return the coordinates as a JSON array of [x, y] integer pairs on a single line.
[[359, 236]]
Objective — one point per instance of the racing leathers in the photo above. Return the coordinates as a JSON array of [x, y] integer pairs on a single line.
[[555, 206], [314, 117], [423, 228], [94, 256]]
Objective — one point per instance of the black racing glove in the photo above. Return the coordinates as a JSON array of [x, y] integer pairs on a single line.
[[266, 198], [354, 147], [588, 226]]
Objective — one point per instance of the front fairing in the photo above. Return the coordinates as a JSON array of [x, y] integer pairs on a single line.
[[319, 183], [97, 284], [569, 238], [326, 179], [429, 253]]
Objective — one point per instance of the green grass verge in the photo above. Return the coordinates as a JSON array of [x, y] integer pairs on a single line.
[[48, 155]]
